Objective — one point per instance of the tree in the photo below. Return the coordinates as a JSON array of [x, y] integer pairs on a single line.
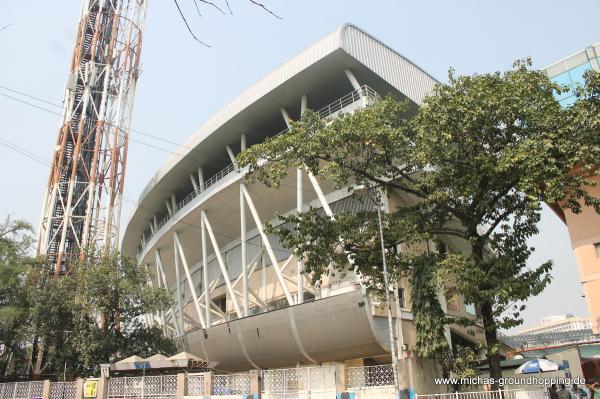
[[15, 242], [113, 295], [75, 323], [474, 166], [95, 314]]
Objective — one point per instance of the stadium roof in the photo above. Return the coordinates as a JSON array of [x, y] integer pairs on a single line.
[[371, 61]]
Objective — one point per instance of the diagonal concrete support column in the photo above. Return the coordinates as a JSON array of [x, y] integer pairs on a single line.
[[188, 275], [267, 244], [221, 263]]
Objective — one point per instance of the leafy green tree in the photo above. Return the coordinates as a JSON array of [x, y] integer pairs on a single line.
[[112, 296], [15, 242], [50, 320], [73, 324], [473, 164], [95, 313]]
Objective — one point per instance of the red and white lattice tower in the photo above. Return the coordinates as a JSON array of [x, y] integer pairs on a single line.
[[82, 205]]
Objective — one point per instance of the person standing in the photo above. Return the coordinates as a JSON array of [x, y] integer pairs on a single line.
[[553, 392], [594, 388], [563, 393], [578, 393]]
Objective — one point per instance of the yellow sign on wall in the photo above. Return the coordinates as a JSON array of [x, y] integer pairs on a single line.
[[90, 389]]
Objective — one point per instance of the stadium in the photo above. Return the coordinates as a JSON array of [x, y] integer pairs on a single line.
[[241, 300]]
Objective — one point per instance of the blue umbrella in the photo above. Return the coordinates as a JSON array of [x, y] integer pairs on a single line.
[[538, 366]]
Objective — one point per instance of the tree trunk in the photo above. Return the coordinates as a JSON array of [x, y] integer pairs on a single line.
[[4, 361], [34, 353], [40, 357], [491, 341]]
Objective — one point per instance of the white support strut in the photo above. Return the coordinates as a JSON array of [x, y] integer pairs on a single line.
[[163, 277], [189, 278], [205, 271], [178, 291], [231, 156], [244, 252], [267, 245], [221, 263], [319, 191], [286, 117], [299, 202], [352, 79]]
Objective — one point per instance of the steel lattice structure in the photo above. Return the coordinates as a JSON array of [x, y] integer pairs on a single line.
[[83, 198]]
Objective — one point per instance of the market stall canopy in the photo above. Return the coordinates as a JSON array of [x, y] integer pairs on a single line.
[[131, 359], [185, 356], [183, 360], [538, 366]]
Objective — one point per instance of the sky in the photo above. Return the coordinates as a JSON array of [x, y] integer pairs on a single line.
[[183, 83]]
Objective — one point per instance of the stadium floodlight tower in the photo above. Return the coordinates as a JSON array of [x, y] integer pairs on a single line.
[[82, 204]]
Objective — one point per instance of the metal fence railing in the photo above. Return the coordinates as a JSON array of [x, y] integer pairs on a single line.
[[502, 394], [22, 390], [63, 390], [369, 376], [195, 384], [231, 384], [297, 382], [156, 387], [7, 390]]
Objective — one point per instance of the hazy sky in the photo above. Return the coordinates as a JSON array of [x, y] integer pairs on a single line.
[[183, 83]]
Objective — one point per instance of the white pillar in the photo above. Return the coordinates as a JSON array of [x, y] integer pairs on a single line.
[[205, 272], [194, 182], [244, 251], [178, 291], [174, 202], [231, 155], [267, 244], [352, 79], [188, 276], [303, 104], [200, 178], [263, 273], [163, 276], [286, 117], [159, 285], [299, 202], [221, 263], [320, 194]]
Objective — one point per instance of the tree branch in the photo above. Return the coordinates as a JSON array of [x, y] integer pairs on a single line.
[[228, 7], [197, 8], [265, 8], [211, 4], [188, 25]]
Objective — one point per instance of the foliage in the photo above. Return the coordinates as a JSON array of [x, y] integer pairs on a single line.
[[15, 241], [75, 323], [472, 167], [111, 296], [462, 362]]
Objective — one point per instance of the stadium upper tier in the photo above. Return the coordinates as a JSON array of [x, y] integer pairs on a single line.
[[240, 298], [318, 73]]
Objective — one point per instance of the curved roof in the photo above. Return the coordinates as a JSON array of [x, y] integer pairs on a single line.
[[346, 48]]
